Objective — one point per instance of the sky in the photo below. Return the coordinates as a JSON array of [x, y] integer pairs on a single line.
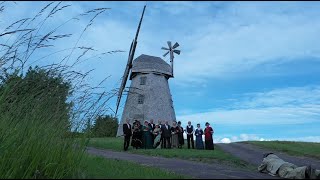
[[250, 69]]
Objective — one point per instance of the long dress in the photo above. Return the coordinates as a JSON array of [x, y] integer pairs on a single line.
[[174, 137], [180, 136], [136, 141], [157, 139], [147, 138], [199, 141], [208, 138]]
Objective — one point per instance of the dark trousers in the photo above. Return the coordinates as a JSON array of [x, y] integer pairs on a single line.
[[166, 142], [126, 142], [209, 144], [190, 137]]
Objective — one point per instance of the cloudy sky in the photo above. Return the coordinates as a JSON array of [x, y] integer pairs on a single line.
[[251, 69]]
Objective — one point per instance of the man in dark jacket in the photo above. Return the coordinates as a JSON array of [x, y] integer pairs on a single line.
[[127, 133], [166, 133]]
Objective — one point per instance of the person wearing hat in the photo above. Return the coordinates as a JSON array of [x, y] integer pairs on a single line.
[[208, 132], [180, 135], [275, 166], [136, 141]]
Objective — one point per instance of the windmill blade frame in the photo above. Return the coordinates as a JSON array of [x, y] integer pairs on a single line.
[[129, 63], [177, 51], [166, 54], [169, 44], [175, 45], [165, 48]]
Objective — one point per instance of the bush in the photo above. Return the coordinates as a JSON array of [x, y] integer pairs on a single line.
[[104, 126]]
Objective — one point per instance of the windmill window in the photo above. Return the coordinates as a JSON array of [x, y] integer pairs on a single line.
[[143, 80], [140, 99]]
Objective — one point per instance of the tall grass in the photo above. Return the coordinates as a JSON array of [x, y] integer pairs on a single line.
[[37, 115]]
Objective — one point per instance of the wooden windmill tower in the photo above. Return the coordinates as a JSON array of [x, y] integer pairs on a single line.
[[149, 94]]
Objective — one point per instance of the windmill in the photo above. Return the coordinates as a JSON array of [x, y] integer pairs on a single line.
[[149, 94], [171, 50], [129, 63]]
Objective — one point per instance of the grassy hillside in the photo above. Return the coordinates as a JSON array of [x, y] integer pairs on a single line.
[[100, 168], [188, 154], [293, 148]]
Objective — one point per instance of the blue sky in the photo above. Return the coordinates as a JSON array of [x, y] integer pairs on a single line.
[[251, 69]]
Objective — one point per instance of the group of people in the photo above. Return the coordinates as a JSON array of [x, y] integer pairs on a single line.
[[151, 136]]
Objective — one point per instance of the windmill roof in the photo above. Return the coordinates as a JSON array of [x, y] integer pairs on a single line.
[[146, 63]]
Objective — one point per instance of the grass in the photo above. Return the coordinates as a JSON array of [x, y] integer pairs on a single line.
[[38, 109], [102, 168], [308, 149], [207, 156]]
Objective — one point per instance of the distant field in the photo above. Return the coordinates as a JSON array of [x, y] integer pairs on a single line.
[[293, 148], [188, 154], [101, 168]]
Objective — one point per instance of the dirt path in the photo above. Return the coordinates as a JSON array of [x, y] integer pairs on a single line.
[[184, 167], [253, 154]]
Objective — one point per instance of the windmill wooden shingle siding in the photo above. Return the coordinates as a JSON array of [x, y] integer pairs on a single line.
[[150, 99], [149, 95]]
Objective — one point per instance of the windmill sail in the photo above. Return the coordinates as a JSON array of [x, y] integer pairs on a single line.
[[129, 63], [171, 50]]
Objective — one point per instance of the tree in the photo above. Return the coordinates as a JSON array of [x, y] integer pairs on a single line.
[[105, 126], [40, 90]]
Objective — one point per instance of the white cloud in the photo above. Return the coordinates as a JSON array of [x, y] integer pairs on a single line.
[[225, 140], [262, 116], [292, 105], [253, 137], [244, 36], [303, 139], [290, 96]]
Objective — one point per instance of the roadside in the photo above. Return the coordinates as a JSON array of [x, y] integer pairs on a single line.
[[187, 168], [253, 154]]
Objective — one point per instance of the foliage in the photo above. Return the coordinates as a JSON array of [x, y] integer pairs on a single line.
[[104, 126], [34, 120], [39, 107]]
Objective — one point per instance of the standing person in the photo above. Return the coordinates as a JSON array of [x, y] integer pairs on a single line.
[[199, 141], [180, 135], [166, 133], [146, 138], [190, 132], [208, 131], [127, 134], [136, 135], [174, 135], [152, 125], [157, 134]]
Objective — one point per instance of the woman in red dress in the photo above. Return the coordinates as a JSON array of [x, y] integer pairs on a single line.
[[208, 131]]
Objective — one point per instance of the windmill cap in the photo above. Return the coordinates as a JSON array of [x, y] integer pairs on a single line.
[[145, 63]]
